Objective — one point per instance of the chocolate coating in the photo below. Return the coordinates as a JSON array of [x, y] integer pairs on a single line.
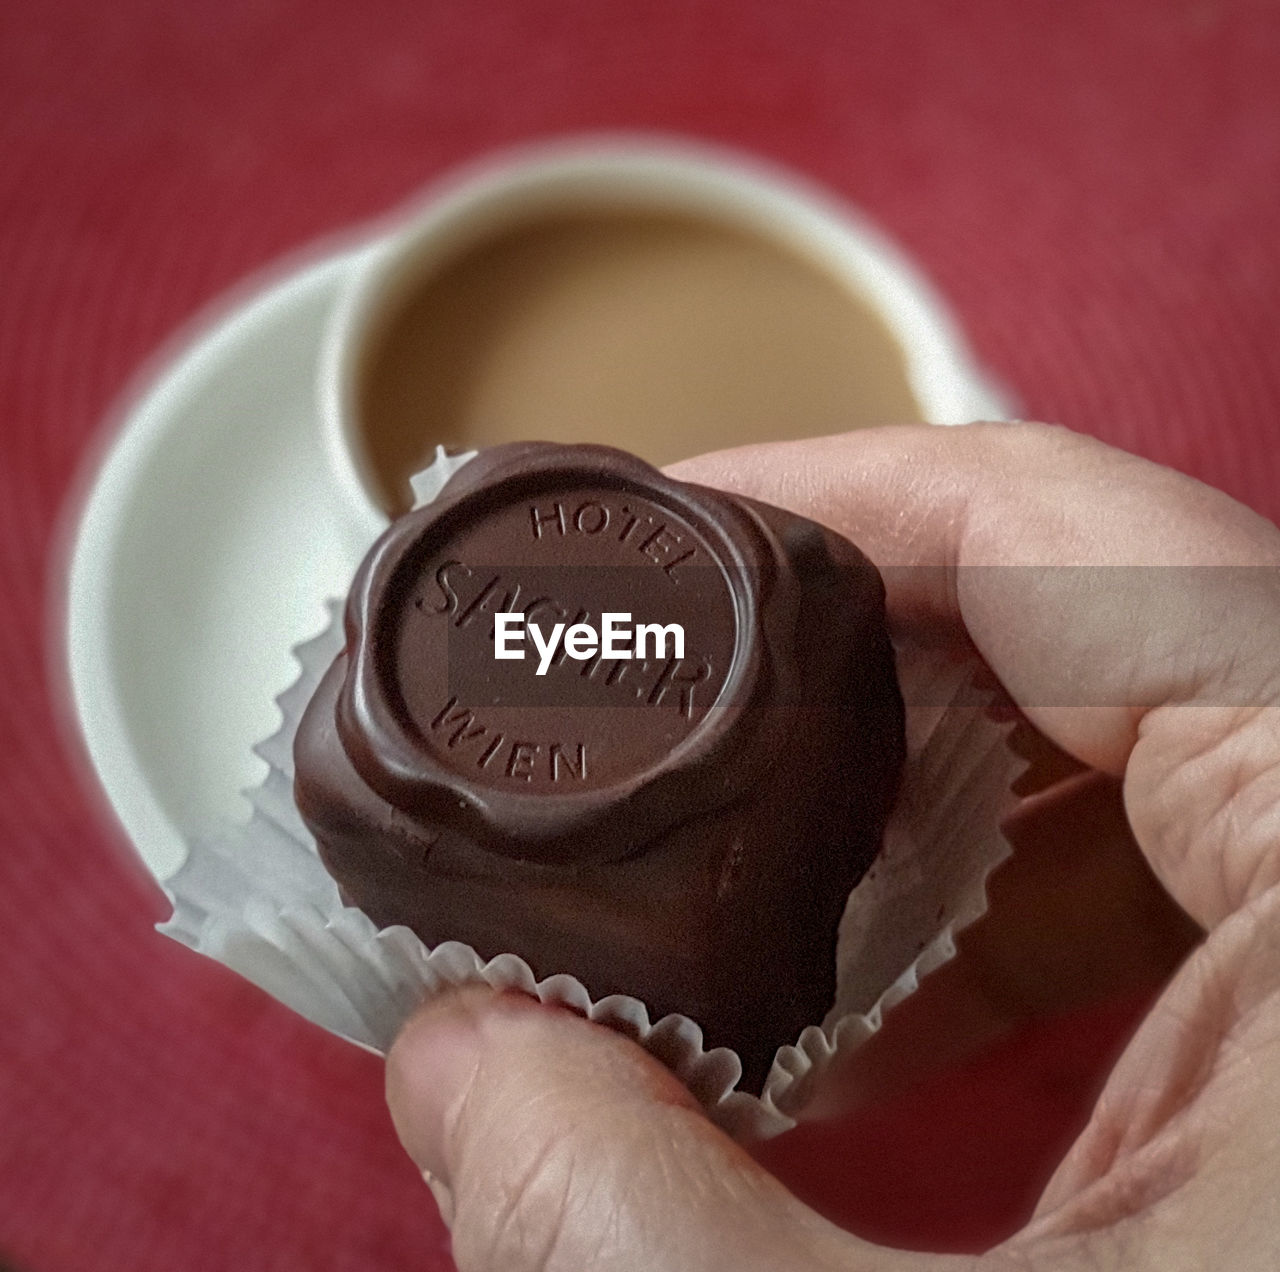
[[683, 829]]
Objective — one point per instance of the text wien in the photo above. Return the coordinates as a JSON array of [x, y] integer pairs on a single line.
[[615, 639]]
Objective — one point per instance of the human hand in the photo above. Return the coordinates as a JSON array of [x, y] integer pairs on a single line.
[[555, 1144]]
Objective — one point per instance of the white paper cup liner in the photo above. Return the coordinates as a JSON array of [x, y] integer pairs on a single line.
[[256, 897]]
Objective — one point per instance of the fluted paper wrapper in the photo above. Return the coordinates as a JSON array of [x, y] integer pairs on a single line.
[[256, 897]]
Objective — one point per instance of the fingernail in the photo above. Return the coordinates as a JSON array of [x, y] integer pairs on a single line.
[[443, 1195], [430, 1066]]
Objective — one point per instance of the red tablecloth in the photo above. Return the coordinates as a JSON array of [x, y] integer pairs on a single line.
[[1093, 184]]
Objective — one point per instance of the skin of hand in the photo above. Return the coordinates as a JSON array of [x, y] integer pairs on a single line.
[[554, 1144]]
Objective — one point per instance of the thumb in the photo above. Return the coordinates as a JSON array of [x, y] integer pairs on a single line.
[[559, 1145]]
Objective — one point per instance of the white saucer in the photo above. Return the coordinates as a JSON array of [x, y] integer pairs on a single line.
[[214, 531], [205, 551]]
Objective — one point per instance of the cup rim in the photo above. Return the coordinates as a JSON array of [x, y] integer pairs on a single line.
[[638, 172]]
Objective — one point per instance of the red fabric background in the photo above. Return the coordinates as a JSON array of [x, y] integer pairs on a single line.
[[1093, 184]]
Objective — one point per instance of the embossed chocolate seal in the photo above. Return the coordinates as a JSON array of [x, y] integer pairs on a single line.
[[583, 759], [681, 821]]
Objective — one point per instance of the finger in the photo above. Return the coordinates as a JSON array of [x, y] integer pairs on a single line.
[[564, 1146], [938, 509], [1168, 676], [1074, 917], [1179, 1159]]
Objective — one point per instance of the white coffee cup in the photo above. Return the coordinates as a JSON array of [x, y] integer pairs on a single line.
[[611, 175]]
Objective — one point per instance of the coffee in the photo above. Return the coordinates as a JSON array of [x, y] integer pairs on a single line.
[[665, 334]]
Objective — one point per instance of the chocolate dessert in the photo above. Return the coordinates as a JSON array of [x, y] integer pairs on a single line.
[[662, 770]]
